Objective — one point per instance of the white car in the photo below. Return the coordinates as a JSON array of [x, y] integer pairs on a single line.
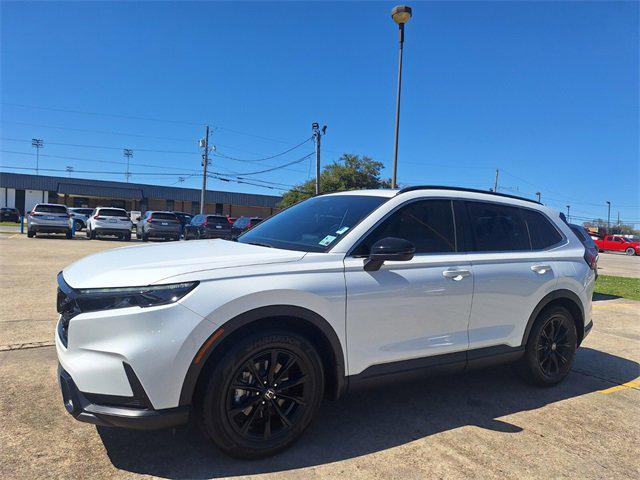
[[48, 218], [109, 221], [338, 291]]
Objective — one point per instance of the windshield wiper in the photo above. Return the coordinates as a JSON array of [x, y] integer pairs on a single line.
[[260, 244]]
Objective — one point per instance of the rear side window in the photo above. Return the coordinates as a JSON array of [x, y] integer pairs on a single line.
[[428, 224], [50, 209], [497, 228], [112, 212], [542, 232]]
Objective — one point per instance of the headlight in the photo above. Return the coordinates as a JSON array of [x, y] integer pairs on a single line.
[[93, 299]]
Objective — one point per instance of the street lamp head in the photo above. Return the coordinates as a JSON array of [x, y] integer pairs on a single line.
[[401, 14]]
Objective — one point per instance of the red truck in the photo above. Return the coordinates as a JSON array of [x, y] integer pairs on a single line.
[[617, 243]]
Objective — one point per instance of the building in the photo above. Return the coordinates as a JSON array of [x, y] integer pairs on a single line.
[[24, 191]]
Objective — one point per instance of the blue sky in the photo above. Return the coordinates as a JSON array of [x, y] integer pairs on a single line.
[[546, 92]]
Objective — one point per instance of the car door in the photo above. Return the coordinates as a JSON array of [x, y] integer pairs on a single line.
[[510, 275], [409, 310]]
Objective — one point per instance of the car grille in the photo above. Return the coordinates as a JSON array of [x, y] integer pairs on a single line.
[[67, 308]]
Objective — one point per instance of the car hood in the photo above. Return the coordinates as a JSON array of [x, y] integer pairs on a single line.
[[155, 263]]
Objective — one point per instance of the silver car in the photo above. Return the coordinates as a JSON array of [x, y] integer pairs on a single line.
[[79, 216], [48, 218], [154, 224]]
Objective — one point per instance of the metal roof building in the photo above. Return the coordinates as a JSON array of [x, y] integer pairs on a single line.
[[23, 191]]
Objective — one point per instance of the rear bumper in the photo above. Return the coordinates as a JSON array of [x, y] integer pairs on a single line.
[[49, 228], [160, 232], [81, 408]]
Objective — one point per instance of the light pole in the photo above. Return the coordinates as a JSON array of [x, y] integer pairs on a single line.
[[401, 15], [128, 153], [608, 216], [37, 144]]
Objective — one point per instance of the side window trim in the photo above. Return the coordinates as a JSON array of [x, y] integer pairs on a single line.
[[398, 207]]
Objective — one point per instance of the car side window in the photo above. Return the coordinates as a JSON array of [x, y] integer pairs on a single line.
[[428, 224], [543, 234], [497, 228]]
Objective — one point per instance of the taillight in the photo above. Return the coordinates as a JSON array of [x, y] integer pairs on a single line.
[[150, 217], [591, 259]]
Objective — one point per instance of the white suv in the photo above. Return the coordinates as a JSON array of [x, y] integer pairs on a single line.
[[109, 221], [338, 291]]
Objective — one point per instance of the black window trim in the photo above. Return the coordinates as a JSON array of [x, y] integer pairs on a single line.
[[469, 241], [563, 240], [395, 209]]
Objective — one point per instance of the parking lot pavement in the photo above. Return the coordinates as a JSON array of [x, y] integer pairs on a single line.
[[485, 424], [619, 264]]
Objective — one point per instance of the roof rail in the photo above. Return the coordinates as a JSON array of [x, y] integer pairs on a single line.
[[462, 189]]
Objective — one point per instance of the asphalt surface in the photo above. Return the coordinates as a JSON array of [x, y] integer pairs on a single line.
[[619, 264], [485, 424]]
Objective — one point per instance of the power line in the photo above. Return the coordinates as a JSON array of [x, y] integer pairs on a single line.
[[280, 166], [218, 154]]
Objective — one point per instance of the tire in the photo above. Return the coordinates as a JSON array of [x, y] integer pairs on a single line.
[[551, 348], [127, 237], [145, 237], [91, 234], [241, 433], [630, 251], [177, 238], [31, 233], [69, 234]]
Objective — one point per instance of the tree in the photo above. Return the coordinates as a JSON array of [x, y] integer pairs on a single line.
[[351, 172]]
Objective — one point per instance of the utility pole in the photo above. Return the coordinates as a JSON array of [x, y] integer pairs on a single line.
[[69, 170], [608, 217], [568, 214], [38, 144], [204, 143], [128, 153], [538, 194], [618, 218], [495, 183], [317, 135]]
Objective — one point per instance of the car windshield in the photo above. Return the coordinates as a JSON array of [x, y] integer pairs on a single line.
[[314, 225], [51, 209], [112, 212]]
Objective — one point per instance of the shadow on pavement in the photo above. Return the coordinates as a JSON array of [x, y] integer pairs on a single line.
[[598, 297], [370, 420]]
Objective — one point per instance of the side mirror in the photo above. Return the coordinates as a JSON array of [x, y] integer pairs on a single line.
[[389, 248]]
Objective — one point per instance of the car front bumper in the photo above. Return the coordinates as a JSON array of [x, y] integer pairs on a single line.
[[84, 409]]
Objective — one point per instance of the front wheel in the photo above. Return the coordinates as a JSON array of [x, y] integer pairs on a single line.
[[31, 233], [630, 251], [551, 348], [262, 394]]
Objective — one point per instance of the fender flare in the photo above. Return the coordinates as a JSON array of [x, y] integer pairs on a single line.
[[229, 327], [546, 300]]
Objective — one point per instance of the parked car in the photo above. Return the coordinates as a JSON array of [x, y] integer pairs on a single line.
[[184, 219], [109, 221], [155, 224], [79, 216], [48, 218], [244, 223], [618, 243], [207, 226], [339, 291], [8, 214]]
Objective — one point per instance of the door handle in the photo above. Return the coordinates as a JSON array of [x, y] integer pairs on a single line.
[[456, 275], [541, 269]]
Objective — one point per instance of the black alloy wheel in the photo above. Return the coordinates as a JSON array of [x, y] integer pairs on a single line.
[[267, 394], [262, 394], [551, 348]]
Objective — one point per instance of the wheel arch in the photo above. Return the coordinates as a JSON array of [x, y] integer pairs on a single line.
[[299, 319], [563, 298]]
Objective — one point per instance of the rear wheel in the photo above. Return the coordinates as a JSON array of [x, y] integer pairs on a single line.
[[145, 236], [551, 348], [127, 236], [262, 394], [69, 234], [31, 233], [630, 251]]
